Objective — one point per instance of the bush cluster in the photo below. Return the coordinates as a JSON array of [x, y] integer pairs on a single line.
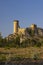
[[15, 42]]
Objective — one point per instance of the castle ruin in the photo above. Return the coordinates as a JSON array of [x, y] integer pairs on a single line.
[[17, 29]]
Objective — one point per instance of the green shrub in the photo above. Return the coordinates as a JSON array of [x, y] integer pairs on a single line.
[[2, 57], [36, 57], [38, 44]]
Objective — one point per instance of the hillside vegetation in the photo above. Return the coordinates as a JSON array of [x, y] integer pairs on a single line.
[[17, 47], [20, 53], [17, 41]]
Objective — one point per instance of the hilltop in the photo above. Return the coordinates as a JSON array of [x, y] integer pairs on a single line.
[[23, 43], [23, 37]]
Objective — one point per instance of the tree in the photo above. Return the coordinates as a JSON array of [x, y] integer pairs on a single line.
[[17, 40], [1, 40]]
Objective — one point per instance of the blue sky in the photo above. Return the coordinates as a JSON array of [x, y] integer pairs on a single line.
[[26, 11]]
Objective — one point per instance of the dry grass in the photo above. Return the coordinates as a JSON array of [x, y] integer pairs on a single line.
[[24, 52]]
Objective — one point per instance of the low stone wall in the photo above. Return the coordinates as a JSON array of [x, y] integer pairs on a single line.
[[22, 62]]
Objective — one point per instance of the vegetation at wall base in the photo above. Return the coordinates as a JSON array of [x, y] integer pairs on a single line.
[[22, 41]]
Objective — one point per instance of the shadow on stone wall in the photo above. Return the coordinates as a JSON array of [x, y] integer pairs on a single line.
[[22, 62]]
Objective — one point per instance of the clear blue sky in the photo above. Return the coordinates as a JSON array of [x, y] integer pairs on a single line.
[[26, 11]]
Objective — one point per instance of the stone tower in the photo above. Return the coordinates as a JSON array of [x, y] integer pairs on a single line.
[[33, 27], [16, 25]]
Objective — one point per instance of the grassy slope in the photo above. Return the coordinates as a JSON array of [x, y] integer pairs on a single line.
[[23, 52]]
